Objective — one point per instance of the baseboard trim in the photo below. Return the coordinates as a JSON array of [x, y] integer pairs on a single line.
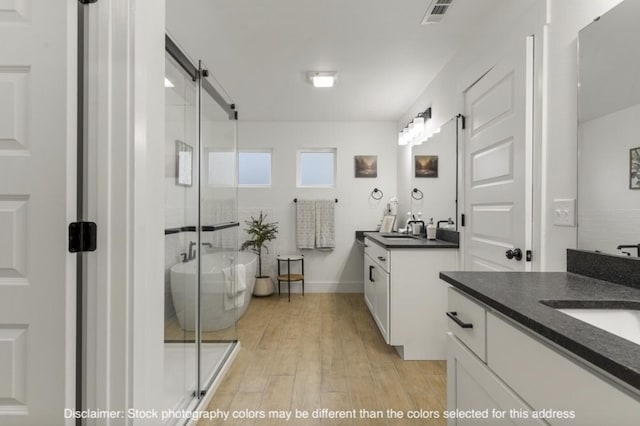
[[322, 287]]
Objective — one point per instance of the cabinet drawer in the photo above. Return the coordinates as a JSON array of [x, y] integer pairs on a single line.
[[379, 254], [547, 379], [472, 386], [467, 321]]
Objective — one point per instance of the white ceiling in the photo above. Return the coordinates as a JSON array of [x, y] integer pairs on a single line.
[[261, 50]]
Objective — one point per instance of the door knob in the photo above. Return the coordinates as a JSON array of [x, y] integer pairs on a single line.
[[515, 253]]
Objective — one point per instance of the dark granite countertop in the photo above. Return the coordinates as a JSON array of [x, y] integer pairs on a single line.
[[446, 239], [518, 295]]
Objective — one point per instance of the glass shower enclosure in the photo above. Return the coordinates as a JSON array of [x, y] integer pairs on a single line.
[[202, 298]]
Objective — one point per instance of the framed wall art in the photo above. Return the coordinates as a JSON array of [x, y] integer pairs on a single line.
[[426, 166], [366, 166]]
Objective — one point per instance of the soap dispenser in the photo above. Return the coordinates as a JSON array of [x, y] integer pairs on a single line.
[[432, 230]]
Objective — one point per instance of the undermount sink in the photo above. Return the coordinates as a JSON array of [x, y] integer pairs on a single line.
[[622, 322], [398, 237]]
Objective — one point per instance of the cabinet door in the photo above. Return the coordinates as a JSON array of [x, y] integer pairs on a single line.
[[382, 302], [369, 283], [472, 386]]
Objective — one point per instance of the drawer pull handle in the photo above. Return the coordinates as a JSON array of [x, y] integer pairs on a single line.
[[382, 259], [454, 317], [371, 273]]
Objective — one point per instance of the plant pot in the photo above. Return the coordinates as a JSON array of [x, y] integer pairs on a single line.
[[263, 286]]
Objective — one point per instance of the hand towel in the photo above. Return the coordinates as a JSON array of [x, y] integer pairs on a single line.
[[325, 224], [234, 293], [305, 224], [229, 291]]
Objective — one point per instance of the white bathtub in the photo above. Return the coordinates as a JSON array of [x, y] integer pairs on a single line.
[[214, 312]]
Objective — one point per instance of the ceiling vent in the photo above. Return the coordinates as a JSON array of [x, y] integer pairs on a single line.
[[436, 11]]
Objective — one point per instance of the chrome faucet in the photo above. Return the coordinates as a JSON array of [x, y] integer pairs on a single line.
[[630, 246], [448, 222], [207, 245]]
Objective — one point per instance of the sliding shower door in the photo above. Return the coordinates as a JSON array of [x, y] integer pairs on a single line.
[[181, 236], [202, 295], [220, 297]]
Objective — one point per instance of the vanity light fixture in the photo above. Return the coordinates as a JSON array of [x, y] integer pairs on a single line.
[[414, 131], [323, 78], [168, 83]]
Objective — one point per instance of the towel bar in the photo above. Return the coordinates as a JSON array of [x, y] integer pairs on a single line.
[[295, 200]]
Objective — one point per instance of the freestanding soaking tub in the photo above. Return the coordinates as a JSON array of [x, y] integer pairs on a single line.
[[222, 302]]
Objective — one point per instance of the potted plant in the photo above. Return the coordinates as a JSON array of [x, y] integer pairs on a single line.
[[260, 232]]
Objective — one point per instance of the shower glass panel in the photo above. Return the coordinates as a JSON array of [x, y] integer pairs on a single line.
[[181, 238], [202, 291], [220, 296]]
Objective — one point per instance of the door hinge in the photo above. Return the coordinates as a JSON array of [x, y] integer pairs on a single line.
[[528, 256], [83, 236], [462, 220], [463, 121]]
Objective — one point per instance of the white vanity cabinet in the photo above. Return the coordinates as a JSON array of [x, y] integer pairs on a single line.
[[512, 369], [471, 385], [376, 285], [406, 298]]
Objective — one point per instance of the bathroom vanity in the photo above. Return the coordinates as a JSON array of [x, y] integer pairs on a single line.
[[516, 342], [404, 294]]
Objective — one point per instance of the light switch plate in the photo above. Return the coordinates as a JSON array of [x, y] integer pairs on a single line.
[[564, 212]]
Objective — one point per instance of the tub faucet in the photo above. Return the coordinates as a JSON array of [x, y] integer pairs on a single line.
[[192, 250], [207, 245], [630, 246]]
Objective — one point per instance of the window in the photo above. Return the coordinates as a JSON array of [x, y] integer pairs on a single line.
[[317, 168], [254, 168], [221, 170]]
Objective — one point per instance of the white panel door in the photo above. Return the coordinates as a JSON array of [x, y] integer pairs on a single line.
[[497, 164], [37, 201]]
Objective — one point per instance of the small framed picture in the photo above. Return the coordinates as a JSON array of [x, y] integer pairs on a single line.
[[634, 168], [387, 223], [366, 166], [426, 166], [184, 164]]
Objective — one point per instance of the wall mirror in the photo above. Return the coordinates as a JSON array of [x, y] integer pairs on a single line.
[[184, 164], [609, 132], [434, 173]]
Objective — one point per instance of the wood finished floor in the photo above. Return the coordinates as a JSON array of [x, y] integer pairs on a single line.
[[323, 351]]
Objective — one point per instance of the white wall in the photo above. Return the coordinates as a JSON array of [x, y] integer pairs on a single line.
[[341, 269], [609, 212], [556, 24]]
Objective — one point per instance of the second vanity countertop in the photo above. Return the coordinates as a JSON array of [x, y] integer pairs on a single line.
[[518, 295], [445, 239]]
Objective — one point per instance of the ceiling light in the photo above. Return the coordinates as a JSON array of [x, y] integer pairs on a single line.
[[167, 82], [402, 140], [323, 79]]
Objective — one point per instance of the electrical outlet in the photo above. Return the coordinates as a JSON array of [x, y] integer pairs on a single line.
[[564, 212]]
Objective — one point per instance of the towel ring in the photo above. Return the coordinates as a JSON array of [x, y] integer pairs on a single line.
[[416, 194], [375, 192]]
